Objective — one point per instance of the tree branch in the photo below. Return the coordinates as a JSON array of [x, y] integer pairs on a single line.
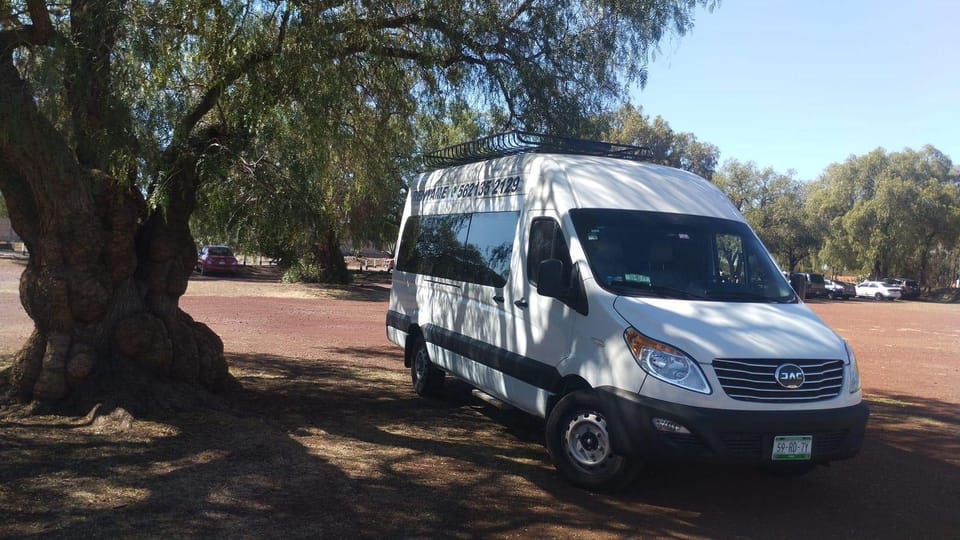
[[29, 35], [210, 98]]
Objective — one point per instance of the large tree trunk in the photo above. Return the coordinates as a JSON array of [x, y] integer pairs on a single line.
[[104, 277], [333, 269], [103, 292]]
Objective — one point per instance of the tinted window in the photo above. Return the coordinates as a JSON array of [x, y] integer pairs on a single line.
[[433, 245], [440, 244], [489, 248], [678, 256], [546, 242], [465, 247], [408, 259]]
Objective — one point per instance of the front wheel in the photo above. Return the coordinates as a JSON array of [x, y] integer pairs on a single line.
[[427, 378], [581, 444]]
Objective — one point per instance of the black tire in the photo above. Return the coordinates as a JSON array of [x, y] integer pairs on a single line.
[[878, 297], [581, 442], [427, 378], [832, 295]]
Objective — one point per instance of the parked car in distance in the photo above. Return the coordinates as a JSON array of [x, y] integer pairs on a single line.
[[816, 288], [216, 259], [878, 290], [909, 288], [839, 289]]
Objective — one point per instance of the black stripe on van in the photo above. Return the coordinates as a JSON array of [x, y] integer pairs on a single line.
[[398, 320], [517, 366]]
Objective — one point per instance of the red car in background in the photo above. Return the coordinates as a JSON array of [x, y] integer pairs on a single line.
[[217, 259]]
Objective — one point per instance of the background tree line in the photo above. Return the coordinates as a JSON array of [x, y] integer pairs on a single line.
[[882, 214]]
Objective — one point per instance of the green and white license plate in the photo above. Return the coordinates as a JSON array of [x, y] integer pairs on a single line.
[[792, 447]]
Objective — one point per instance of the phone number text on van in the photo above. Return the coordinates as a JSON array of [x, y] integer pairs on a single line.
[[487, 188]]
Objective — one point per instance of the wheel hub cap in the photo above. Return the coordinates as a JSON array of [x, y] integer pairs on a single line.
[[587, 440]]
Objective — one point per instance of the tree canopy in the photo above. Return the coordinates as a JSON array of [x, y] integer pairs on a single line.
[[628, 125], [889, 214], [773, 204], [117, 117]]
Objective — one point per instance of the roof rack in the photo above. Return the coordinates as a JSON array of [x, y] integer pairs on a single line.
[[520, 142]]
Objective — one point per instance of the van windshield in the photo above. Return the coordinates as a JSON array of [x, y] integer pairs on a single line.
[[637, 253]]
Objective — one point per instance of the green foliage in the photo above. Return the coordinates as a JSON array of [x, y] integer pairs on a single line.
[[3, 207], [628, 125], [322, 137], [773, 205], [301, 115], [303, 272], [890, 214]]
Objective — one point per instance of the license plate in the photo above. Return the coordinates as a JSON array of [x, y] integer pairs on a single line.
[[792, 447]]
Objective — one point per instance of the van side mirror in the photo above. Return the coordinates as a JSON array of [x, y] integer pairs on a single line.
[[550, 279]]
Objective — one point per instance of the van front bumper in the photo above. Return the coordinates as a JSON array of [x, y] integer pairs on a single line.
[[724, 436]]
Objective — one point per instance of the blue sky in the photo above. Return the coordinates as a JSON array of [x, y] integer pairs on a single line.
[[801, 85]]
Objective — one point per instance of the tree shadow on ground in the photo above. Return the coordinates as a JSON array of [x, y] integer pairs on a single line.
[[901, 456], [339, 447]]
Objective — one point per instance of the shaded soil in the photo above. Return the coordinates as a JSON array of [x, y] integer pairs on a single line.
[[326, 439]]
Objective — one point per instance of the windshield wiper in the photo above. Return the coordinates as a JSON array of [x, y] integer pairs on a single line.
[[746, 296], [632, 287]]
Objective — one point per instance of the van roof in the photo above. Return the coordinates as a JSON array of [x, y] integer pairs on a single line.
[[599, 182], [569, 181]]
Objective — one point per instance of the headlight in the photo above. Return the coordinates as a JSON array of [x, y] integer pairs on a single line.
[[854, 370], [665, 362]]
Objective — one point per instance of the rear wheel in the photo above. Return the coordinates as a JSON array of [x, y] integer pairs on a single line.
[[581, 444], [878, 297], [427, 378]]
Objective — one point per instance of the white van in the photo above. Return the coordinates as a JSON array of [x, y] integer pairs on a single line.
[[628, 304]]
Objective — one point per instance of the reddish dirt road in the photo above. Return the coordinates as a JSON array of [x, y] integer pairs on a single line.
[[332, 442]]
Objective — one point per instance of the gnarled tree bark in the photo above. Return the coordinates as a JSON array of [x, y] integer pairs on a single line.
[[105, 272]]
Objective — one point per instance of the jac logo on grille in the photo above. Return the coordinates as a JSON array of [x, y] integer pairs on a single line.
[[789, 376]]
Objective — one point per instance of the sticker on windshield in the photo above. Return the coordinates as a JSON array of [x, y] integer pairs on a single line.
[[636, 278]]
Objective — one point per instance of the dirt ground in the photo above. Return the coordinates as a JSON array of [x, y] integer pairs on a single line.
[[327, 439]]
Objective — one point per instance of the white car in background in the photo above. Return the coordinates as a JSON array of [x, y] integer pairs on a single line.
[[878, 290]]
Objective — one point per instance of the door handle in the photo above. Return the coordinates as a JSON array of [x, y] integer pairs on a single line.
[[521, 303], [498, 299]]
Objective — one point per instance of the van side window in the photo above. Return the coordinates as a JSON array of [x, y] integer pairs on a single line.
[[465, 247], [546, 242], [433, 245], [408, 259], [489, 248]]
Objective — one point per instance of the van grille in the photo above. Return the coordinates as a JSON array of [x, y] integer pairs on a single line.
[[755, 380]]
